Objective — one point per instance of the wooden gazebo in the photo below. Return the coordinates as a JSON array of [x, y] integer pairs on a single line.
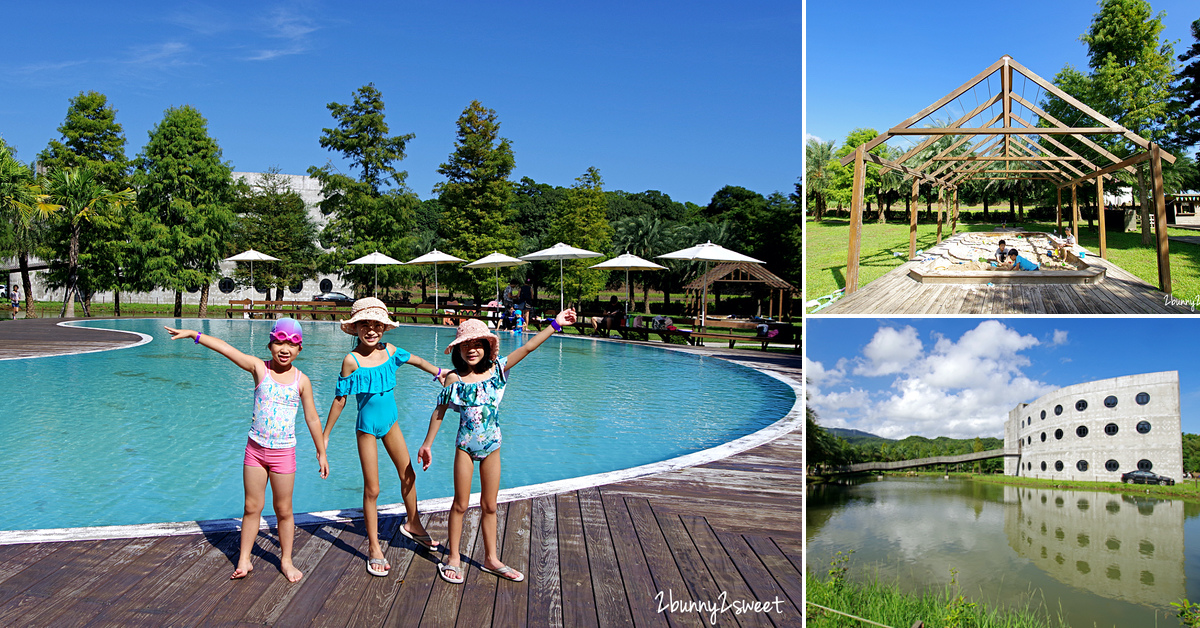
[[1021, 139], [742, 272]]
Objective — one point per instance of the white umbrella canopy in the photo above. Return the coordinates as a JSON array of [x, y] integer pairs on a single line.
[[708, 252], [496, 261], [560, 252], [628, 262], [376, 259], [434, 258], [251, 256]]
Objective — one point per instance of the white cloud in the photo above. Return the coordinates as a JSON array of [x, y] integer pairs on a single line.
[[290, 25], [890, 351], [1060, 337]]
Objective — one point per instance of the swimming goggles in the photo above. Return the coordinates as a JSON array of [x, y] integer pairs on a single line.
[[282, 336]]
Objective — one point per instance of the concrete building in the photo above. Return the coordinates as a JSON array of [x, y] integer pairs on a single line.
[[221, 290], [1098, 430]]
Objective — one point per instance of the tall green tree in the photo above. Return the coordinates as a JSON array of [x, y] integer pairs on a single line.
[[1132, 74], [81, 199], [475, 197], [92, 138], [818, 177], [21, 206], [583, 222], [184, 193], [272, 219], [376, 210], [646, 236], [1189, 91]]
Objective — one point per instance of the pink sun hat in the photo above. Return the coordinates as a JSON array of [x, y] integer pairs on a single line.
[[367, 309], [474, 329]]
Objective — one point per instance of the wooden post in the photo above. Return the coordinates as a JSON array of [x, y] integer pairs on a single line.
[[1160, 218], [1074, 216], [1100, 204], [856, 211], [912, 219], [1058, 210], [954, 220], [941, 201]]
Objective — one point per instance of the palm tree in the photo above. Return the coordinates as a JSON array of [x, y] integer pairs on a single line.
[[817, 174], [81, 197], [20, 199], [645, 236]]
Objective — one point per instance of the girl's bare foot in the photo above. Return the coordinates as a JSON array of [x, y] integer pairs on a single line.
[[243, 570], [290, 572]]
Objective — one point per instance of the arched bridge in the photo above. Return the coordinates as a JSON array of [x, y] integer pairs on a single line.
[[864, 467]]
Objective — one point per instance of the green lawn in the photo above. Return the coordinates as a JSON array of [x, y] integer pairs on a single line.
[[826, 244]]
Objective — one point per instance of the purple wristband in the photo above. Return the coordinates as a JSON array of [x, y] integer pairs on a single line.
[[197, 340], [555, 325]]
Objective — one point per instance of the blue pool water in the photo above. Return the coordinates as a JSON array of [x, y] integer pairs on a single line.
[[157, 432]]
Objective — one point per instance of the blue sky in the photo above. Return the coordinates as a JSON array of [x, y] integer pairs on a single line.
[[882, 62], [960, 377], [682, 97]]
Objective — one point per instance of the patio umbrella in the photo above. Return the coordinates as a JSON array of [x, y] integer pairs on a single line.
[[708, 252], [496, 261], [251, 256], [629, 262], [376, 259], [560, 252], [435, 257]]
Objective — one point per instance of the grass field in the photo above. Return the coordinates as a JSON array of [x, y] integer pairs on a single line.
[[827, 242]]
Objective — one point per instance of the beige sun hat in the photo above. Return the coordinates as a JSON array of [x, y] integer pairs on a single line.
[[474, 329], [367, 309]]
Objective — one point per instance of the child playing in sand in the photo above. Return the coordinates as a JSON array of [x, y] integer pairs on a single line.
[[475, 389], [280, 389], [369, 373]]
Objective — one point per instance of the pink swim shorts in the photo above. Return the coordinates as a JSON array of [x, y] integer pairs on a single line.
[[273, 460]]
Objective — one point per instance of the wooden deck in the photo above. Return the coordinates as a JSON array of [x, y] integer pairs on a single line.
[[720, 533], [896, 293]]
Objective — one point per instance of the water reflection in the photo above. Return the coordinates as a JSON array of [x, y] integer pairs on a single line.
[[1148, 570], [1103, 559]]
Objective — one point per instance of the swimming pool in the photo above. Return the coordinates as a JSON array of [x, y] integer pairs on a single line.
[[156, 432]]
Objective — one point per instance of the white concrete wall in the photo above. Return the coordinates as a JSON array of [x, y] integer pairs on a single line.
[[1047, 431]]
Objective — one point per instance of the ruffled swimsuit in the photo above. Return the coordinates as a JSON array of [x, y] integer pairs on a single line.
[[375, 388], [273, 424], [478, 405]]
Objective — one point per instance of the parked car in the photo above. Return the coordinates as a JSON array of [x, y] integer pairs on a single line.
[[1146, 477], [336, 297]]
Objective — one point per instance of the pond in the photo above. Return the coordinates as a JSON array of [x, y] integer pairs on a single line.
[[1104, 559]]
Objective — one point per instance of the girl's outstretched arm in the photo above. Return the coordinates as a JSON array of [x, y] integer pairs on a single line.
[[565, 317], [313, 420], [428, 367], [245, 362]]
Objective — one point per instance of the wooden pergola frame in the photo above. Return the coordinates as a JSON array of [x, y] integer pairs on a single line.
[[1017, 143]]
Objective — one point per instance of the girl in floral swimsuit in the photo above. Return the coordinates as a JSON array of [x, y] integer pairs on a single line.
[[475, 389]]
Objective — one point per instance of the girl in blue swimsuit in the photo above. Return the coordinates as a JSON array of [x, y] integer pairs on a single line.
[[475, 389], [369, 373]]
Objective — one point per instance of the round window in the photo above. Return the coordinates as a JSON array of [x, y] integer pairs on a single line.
[[1142, 398], [1058, 466], [193, 289], [226, 285], [296, 288], [1043, 469], [262, 288], [1043, 437], [326, 285], [1081, 405], [1057, 434], [1143, 427], [1112, 466], [1057, 410], [1081, 465], [1081, 431], [1043, 415], [1110, 401], [1111, 429], [1145, 465]]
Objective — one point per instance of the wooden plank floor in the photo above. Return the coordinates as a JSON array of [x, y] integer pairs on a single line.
[[721, 533], [895, 293]]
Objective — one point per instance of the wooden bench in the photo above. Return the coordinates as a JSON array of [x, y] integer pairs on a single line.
[[787, 336], [294, 309]]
